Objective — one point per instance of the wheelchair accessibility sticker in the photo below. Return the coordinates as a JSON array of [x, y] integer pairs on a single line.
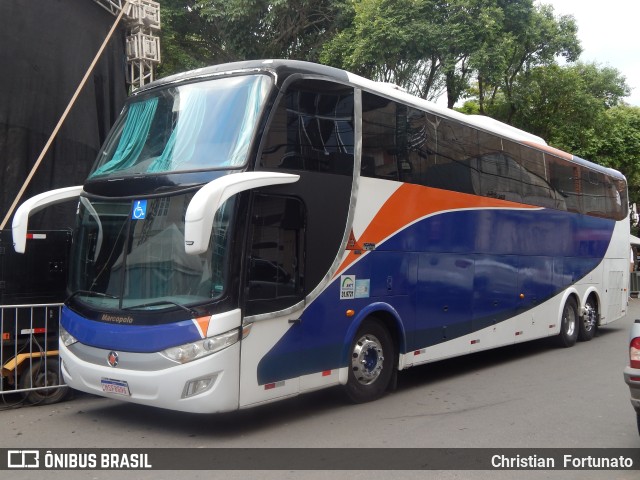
[[139, 210]]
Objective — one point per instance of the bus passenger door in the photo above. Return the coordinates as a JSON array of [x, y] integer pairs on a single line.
[[273, 291]]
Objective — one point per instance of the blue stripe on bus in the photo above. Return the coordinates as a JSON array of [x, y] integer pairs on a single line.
[[128, 338], [448, 275]]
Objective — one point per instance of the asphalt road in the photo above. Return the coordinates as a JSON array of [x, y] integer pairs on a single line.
[[533, 395]]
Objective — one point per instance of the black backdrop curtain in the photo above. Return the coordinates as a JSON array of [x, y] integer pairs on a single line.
[[46, 47]]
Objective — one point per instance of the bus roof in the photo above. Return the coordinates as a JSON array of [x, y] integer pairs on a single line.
[[284, 68]]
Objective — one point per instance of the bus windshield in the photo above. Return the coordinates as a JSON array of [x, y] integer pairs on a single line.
[[131, 255], [197, 126]]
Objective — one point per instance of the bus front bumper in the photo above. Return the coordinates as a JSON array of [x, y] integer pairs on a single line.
[[206, 385]]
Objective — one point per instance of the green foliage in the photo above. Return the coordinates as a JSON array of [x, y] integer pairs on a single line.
[[619, 146], [181, 37], [422, 45], [470, 107], [564, 105], [387, 40], [532, 36], [430, 45], [204, 32]]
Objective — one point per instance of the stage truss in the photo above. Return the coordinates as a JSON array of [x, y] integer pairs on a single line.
[[142, 19]]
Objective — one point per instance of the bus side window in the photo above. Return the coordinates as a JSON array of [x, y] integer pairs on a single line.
[[616, 199], [312, 129], [565, 179], [275, 278], [447, 156], [593, 192], [379, 137]]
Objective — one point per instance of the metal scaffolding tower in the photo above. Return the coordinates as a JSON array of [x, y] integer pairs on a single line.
[[142, 18]]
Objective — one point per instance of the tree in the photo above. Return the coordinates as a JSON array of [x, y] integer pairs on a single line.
[[578, 108], [563, 105], [182, 37], [492, 58], [425, 45], [203, 32], [390, 41], [422, 45], [532, 37], [465, 28], [619, 146]]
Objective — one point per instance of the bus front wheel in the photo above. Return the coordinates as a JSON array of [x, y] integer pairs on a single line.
[[569, 324], [370, 363]]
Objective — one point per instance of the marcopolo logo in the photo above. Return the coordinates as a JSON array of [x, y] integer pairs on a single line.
[[347, 287], [116, 318]]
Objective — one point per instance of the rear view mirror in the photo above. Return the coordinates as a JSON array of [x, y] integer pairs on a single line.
[[205, 203]]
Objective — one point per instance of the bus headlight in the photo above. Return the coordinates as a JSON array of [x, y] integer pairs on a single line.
[[66, 338], [192, 351]]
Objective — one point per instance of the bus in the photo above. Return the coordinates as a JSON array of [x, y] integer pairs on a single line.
[[256, 230]]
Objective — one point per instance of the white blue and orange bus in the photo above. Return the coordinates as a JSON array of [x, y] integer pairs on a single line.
[[256, 230]]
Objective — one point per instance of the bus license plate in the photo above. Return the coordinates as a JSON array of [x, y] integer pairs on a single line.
[[119, 387]]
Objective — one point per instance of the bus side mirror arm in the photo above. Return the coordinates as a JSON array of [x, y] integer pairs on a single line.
[[33, 205], [205, 203]]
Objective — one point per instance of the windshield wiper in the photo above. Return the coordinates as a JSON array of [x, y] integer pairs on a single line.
[[162, 302], [90, 293]]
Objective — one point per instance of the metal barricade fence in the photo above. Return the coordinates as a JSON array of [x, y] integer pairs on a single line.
[[29, 352]]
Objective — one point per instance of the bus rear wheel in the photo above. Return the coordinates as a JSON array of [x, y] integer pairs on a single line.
[[370, 363], [569, 324], [589, 323]]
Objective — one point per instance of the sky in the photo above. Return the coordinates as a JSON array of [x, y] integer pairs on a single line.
[[609, 32]]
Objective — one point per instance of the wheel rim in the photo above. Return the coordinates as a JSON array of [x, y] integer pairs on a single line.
[[589, 317], [569, 320], [367, 359]]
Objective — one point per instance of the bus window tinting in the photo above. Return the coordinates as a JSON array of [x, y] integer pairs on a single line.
[[276, 271], [312, 129], [406, 144], [380, 141]]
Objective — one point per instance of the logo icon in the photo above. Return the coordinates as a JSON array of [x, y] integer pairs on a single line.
[[23, 459], [112, 359]]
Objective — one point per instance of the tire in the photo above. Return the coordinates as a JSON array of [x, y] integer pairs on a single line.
[[638, 421], [569, 324], [36, 376], [589, 322], [370, 363]]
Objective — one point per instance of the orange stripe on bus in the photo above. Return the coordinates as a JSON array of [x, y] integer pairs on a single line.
[[203, 323], [410, 203]]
